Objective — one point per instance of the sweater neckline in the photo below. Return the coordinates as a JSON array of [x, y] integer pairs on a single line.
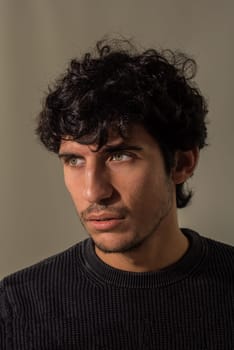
[[104, 274]]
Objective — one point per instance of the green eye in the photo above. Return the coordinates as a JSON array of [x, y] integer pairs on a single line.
[[118, 157], [75, 161]]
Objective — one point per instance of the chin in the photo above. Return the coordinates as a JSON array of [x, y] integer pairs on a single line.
[[117, 245]]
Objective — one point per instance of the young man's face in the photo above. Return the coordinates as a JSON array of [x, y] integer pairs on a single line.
[[121, 192]]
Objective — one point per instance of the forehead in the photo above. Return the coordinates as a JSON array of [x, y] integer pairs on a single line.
[[136, 135]]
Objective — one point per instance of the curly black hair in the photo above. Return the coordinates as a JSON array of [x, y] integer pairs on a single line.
[[115, 86]]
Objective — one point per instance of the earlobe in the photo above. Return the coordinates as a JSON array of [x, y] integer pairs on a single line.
[[185, 163]]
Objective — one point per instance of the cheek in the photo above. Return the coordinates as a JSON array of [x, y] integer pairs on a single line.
[[73, 186], [141, 187], [68, 182]]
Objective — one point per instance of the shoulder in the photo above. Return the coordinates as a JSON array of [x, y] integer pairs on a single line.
[[220, 249], [60, 264], [220, 258], [49, 274], [215, 248], [217, 258]]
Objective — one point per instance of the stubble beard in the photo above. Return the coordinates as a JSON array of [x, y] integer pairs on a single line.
[[137, 241]]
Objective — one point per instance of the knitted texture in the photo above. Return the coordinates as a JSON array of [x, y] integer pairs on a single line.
[[75, 301]]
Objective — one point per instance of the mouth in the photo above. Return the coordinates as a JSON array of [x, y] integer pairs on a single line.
[[104, 216], [106, 219], [104, 223]]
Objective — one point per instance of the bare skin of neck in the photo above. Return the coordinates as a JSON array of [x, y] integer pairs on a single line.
[[159, 251]]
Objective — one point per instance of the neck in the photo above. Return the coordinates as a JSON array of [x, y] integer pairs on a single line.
[[158, 252]]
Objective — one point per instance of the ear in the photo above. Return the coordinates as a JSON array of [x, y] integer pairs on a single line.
[[185, 163]]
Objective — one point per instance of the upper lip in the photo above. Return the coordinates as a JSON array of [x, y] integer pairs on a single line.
[[104, 216]]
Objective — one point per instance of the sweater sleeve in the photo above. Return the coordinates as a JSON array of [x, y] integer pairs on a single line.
[[5, 320]]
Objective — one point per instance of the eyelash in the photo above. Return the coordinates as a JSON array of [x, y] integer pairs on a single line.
[[121, 154], [67, 160]]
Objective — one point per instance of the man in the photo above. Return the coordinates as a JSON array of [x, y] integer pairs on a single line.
[[128, 128]]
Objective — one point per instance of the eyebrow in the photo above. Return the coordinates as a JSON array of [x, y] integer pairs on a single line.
[[106, 149], [68, 155], [121, 147]]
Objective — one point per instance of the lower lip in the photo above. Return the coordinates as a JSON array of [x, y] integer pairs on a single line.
[[105, 224]]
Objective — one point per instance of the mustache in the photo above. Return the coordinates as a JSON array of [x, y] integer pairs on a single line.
[[97, 209]]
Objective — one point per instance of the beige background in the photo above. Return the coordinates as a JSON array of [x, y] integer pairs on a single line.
[[37, 38]]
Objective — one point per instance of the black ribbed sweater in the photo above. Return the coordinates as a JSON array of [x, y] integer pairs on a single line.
[[75, 301]]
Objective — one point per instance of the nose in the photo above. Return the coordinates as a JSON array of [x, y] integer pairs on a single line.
[[97, 184]]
